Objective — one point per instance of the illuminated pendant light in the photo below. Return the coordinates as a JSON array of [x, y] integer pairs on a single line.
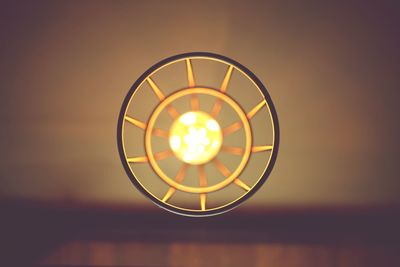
[[197, 139]]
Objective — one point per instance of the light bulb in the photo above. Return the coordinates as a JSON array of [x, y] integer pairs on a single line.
[[195, 137]]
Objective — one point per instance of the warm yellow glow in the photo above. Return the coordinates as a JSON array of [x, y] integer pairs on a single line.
[[231, 176], [195, 137]]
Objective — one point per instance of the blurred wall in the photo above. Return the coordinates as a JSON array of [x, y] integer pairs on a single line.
[[331, 69]]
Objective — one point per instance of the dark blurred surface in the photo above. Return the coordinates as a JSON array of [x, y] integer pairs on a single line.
[[43, 234]]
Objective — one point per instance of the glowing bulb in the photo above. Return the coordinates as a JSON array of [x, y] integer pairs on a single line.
[[195, 137]]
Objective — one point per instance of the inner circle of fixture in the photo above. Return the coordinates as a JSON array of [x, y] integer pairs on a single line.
[[167, 102]]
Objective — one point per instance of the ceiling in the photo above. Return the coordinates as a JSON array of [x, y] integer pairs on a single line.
[[331, 69]]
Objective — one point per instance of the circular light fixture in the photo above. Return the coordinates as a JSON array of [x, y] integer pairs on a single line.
[[189, 147]]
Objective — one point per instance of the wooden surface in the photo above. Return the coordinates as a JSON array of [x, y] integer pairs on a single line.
[[220, 254], [104, 236]]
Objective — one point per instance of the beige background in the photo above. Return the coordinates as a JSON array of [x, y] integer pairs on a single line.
[[331, 69]]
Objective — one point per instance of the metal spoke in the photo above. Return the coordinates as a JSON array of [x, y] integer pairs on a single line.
[[169, 194], [179, 178], [232, 128], [163, 155], [136, 122], [190, 75], [226, 80], [171, 110], [261, 148], [194, 99], [240, 151], [233, 150], [203, 183], [156, 90], [237, 125], [218, 103], [255, 109], [157, 156], [138, 159], [221, 167], [242, 184], [142, 125], [160, 133], [224, 170], [194, 102], [203, 197]]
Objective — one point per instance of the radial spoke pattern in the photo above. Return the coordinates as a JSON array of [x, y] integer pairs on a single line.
[[195, 105]]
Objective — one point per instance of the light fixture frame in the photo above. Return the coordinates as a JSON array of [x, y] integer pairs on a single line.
[[272, 113]]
